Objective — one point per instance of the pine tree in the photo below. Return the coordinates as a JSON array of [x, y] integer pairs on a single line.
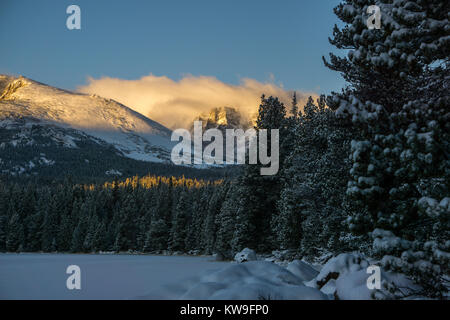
[[193, 236], [180, 223], [261, 192], [314, 175], [213, 209], [157, 237], [128, 214], [3, 232], [3, 217], [65, 230], [34, 234], [400, 100], [50, 224], [79, 234], [294, 108], [142, 227], [226, 224], [100, 243], [91, 234], [245, 220], [16, 238], [117, 242]]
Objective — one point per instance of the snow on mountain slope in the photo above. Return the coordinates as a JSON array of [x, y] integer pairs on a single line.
[[131, 133]]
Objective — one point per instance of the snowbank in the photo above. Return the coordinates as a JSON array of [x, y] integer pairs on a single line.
[[342, 277], [302, 270], [345, 277], [254, 280], [245, 255]]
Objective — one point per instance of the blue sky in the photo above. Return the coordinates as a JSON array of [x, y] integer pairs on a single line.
[[229, 40]]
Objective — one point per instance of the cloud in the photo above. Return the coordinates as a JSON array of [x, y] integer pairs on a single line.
[[175, 104]]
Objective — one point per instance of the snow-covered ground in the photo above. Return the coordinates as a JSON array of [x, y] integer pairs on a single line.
[[253, 280], [43, 276]]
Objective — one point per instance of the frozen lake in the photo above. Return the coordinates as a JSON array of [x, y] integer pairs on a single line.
[[43, 276]]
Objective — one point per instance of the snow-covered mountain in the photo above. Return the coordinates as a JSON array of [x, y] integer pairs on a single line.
[[223, 118], [69, 117]]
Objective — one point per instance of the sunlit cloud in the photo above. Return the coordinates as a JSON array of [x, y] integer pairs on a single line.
[[175, 103]]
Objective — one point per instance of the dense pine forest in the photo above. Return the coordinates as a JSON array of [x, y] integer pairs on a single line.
[[366, 169], [149, 214], [156, 213]]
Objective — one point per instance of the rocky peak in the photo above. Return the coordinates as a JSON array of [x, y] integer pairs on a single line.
[[223, 118]]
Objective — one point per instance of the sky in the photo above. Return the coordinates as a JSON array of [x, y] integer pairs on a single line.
[[266, 40], [173, 53]]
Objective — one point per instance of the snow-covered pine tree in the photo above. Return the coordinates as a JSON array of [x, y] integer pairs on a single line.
[[35, 222], [79, 233], [99, 241], [287, 223], [257, 205], [50, 224], [314, 175], [216, 198], [178, 233], [398, 95], [225, 223], [294, 107], [128, 221], [89, 239], [195, 223], [245, 220]]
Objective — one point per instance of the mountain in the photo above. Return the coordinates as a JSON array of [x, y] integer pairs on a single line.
[[42, 126], [223, 118], [131, 133]]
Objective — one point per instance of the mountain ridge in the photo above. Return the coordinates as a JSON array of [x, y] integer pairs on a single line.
[[131, 133]]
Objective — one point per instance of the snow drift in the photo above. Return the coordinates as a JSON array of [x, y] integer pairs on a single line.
[[254, 280]]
